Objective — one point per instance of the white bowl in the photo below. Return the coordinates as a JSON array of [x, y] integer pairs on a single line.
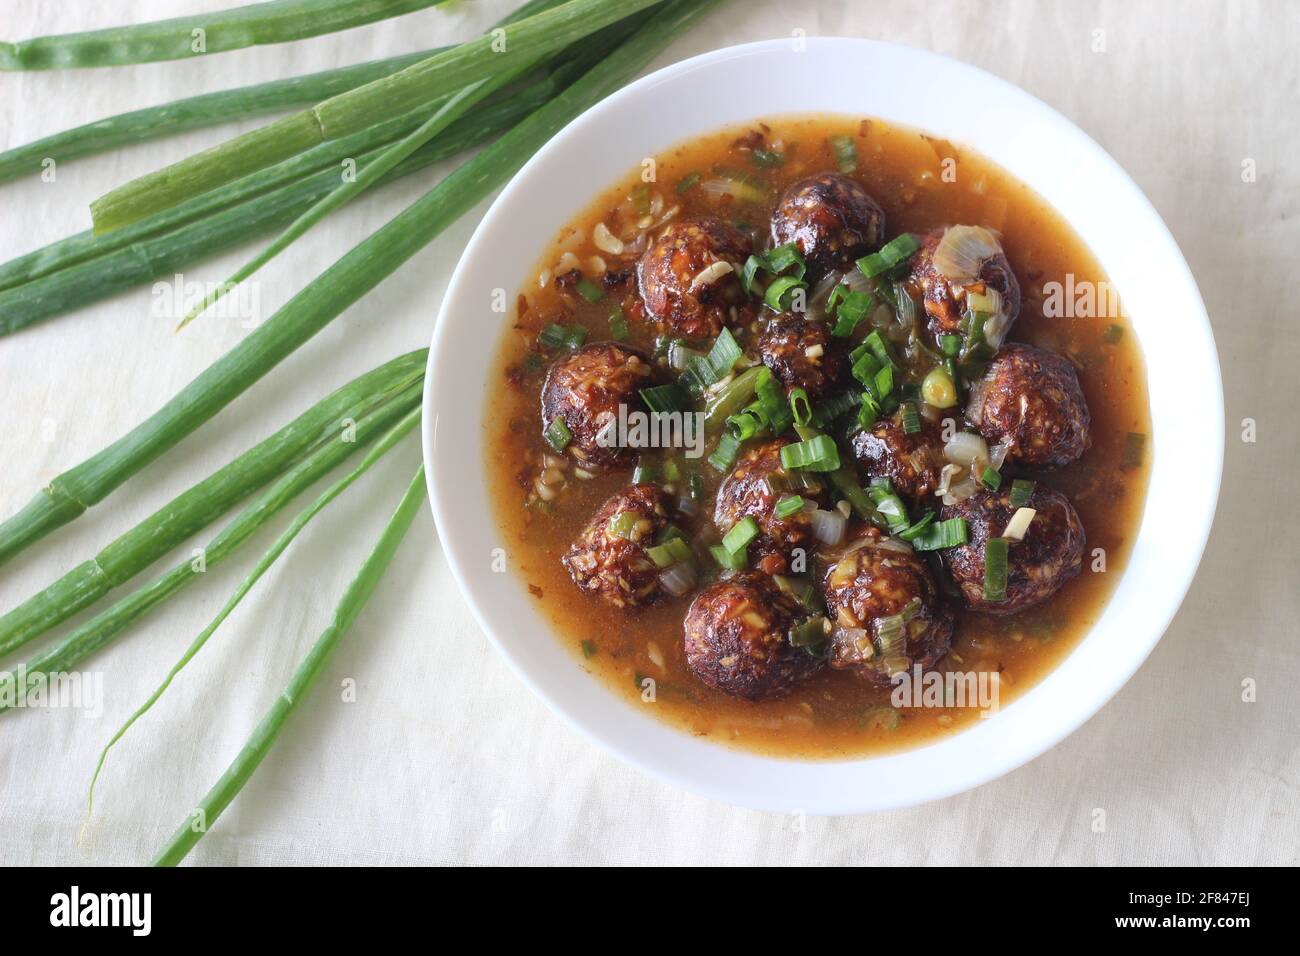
[[959, 103]]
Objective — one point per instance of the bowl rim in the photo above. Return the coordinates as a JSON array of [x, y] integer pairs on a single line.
[[1000, 761]]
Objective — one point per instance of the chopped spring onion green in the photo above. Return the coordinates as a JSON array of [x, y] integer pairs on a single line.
[[589, 649], [589, 290], [689, 181], [666, 398], [772, 405], [789, 505], [621, 524], [917, 527], [911, 420], [671, 471], [895, 252], [1021, 491], [833, 408], [808, 632], [940, 535], [724, 456], [556, 336], [618, 324], [742, 532], [868, 412], [937, 388], [704, 371], [851, 311], [733, 562], [878, 347], [780, 293], [673, 551], [1113, 334], [981, 302], [775, 262], [557, 434], [746, 424], [890, 635], [846, 153], [695, 485], [990, 479], [884, 383], [732, 397], [890, 505], [995, 569], [846, 483], [815, 454], [767, 158], [1133, 445], [800, 406], [950, 345]]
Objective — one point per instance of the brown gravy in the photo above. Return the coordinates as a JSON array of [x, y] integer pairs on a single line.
[[833, 715]]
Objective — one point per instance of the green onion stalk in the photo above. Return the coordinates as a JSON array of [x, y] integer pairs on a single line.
[[391, 96], [309, 670], [196, 112], [257, 24], [342, 284], [110, 623], [380, 448], [87, 268], [200, 505]]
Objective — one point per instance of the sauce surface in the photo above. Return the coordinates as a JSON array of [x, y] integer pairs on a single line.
[[922, 183]]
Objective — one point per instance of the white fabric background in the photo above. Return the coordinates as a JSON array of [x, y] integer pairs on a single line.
[[446, 758]]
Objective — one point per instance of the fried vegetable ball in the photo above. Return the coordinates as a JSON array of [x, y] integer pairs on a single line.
[[609, 558], [887, 610], [802, 354], [585, 388], [755, 485], [912, 463], [959, 261], [1049, 554], [1031, 399], [690, 276], [832, 219], [737, 638]]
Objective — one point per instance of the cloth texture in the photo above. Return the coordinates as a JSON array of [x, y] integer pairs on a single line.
[[445, 757]]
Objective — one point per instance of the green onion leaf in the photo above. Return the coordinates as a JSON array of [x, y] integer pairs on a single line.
[[695, 486], [556, 336], [942, 534], [781, 291], [733, 562], [950, 345], [724, 456], [995, 569], [1113, 334], [911, 420], [621, 524], [800, 406], [712, 368], [689, 181], [589, 290], [851, 311], [618, 330], [767, 158], [1021, 491], [666, 398], [991, 479], [915, 529], [808, 632], [788, 505], [895, 252], [816, 454], [742, 532], [846, 153], [557, 434], [890, 506]]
